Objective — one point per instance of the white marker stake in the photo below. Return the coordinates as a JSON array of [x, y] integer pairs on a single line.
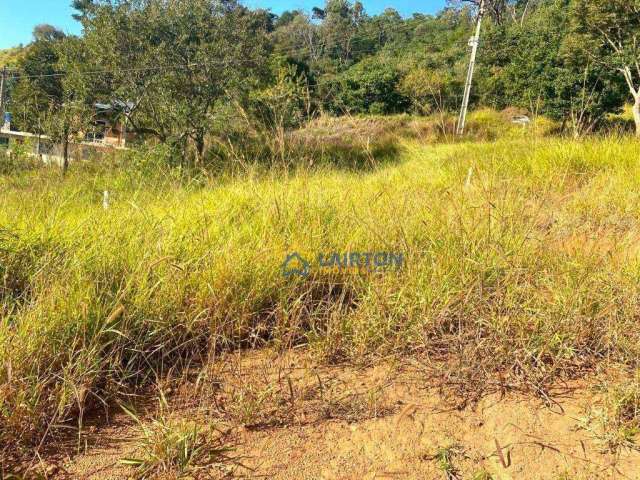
[[105, 200], [467, 184]]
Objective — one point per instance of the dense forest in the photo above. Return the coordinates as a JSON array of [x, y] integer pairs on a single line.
[[188, 71]]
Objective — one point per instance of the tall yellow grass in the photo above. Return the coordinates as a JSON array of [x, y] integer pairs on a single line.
[[521, 258]]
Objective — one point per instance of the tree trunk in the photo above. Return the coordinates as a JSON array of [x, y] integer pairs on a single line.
[[636, 114], [199, 149], [563, 127], [65, 157]]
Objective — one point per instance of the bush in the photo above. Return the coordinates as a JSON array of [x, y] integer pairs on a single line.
[[371, 86], [15, 159]]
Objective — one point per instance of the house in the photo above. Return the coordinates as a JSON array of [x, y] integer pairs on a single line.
[[108, 132], [110, 124]]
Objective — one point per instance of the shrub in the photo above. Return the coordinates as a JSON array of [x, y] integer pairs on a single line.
[[371, 86]]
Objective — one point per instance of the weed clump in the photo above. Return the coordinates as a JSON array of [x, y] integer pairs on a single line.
[[615, 418], [175, 447]]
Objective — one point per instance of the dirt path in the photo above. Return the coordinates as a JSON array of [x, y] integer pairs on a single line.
[[533, 443], [380, 422]]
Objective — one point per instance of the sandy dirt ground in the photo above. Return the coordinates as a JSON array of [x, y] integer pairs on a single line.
[[376, 422]]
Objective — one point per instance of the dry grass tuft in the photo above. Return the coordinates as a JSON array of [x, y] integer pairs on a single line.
[[615, 419], [174, 447]]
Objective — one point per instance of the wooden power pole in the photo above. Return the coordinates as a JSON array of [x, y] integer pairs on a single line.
[[3, 82], [474, 43]]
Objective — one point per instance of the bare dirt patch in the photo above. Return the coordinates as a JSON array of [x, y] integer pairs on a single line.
[[286, 418]]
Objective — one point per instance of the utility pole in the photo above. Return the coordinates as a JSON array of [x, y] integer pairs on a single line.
[[474, 42], [3, 81]]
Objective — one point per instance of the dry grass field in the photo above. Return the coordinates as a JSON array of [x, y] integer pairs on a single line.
[[135, 322]]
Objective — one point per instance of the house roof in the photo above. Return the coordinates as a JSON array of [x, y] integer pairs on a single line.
[[118, 105]]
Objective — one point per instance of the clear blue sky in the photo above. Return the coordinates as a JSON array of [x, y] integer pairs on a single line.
[[18, 17]]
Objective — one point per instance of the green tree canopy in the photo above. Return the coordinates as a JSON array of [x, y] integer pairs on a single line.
[[176, 62], [610, 33]]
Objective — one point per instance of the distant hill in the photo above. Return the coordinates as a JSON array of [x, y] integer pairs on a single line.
[[10, 56]]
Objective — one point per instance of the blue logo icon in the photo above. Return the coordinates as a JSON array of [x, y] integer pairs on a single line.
[[294, 264]]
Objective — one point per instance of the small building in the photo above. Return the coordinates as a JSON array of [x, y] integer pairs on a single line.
[[42, 147], [108, 132], [110, 124]]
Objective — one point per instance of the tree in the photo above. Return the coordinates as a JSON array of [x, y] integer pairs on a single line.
[[317, 13], [38, 84], [287, 17], [73, 112], [431, 90], [496, 8], [39, 87], [53, 95], [47, 33], [83, 7], [281, 106], [339, 26], [611, 33], [375, 32], [296, 36], [371, 86], [538, 63], [190, 57]]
